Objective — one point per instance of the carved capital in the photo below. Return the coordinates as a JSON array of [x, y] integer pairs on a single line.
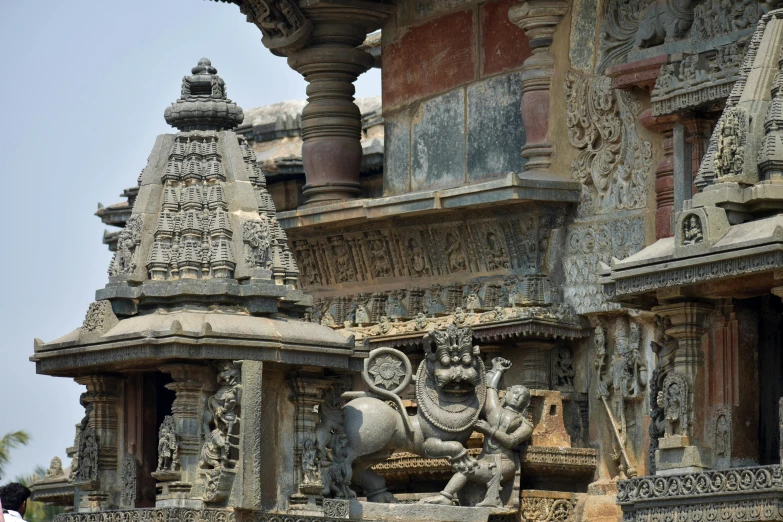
[[539, 19]]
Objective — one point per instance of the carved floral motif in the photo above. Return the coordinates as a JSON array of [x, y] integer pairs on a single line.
[[613, 163]]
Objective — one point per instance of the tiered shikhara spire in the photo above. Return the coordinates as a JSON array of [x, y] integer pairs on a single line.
[[203, 212]]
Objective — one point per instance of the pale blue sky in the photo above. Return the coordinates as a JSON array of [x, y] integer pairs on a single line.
[[86, 83]]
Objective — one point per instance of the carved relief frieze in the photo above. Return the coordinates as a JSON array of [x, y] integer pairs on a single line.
[[483, 242], [691, 486], [714, 18], [542, 509], [631, 26], [150, 515], [412, 312], [613, 163], [587, 245], [698, 80]]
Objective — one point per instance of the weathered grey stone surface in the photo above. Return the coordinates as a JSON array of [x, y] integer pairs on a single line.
[[438, 142], [496, 133], [397, 156]]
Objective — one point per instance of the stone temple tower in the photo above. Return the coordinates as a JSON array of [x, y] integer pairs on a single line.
[[198, 335]]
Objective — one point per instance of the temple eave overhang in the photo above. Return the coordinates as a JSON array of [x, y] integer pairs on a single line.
[[155, 338], [745, 261], [513, 189]]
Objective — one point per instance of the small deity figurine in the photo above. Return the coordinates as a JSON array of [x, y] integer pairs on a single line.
[[55, 468], [505, 426], [309, 465], [167, 445], [673, 399], [692, 233]]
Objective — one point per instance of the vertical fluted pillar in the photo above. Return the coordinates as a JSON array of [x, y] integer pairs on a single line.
[[664, 173], [689, 322], [103, 393], [539, 19], [190, 381]]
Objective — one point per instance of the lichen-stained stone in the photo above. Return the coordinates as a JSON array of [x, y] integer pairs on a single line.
[[397, 156], [438, 129], [582, 44], [503, 45], [430, 58], [495, 129]]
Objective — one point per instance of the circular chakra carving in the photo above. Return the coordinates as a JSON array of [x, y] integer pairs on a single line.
[[388, 372]]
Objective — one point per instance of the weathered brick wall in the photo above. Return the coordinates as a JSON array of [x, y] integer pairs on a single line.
[[451, 95]]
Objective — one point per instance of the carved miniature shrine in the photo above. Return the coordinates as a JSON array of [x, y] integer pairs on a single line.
[[537, 280]]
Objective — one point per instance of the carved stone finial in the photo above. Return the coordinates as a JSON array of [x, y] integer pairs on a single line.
[[203, 103]]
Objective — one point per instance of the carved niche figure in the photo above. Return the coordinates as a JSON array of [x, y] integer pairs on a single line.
[[310, 471], [256, 237], [220, 430], [128, 474], [731, 132], [308, 268], [674, 399], [665, 348], [96, 316], [450, 392], [505, 426], [454, 255], [564, 370], [124, 261], [421, 322], [496, 258], [721, 434], [331, 445], [55, 468], [691, 230], [362, 315], [394, 306], [433, 304], [168, 446], [416, 260], [343, 265], [88, 456], [472, 302], [379, 258]]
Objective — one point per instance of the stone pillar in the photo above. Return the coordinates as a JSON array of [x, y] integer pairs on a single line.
[[307, 397], [539, 19], [190, 381], [664, 174], [103, 393], [686, 450], [331, 122]]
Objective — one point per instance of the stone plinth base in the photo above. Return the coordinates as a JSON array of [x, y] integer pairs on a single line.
[[600, 503], [675, 456], [416, 512]]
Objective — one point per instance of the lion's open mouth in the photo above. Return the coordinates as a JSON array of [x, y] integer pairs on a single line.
[[458, 388]]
